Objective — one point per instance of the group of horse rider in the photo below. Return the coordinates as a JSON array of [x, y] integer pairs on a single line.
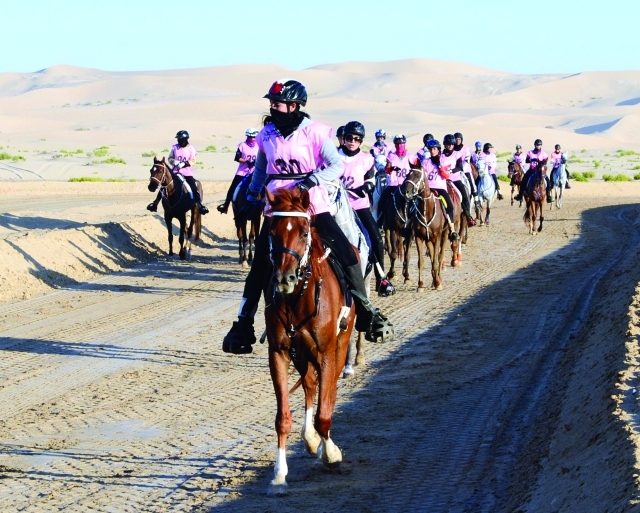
[[292, 151], [536, 158]]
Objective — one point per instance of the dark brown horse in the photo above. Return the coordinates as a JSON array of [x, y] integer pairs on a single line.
[[176, 202], [240, 219], [516, 173], [535, 193], [428, 224], [307, 322], [459, 224], [396, 221]]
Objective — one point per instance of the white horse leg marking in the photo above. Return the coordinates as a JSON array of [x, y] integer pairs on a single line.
[[330, 454], [309, 434], [278, 485]]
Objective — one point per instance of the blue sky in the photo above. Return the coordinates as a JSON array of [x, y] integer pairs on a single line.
[[538, 36]]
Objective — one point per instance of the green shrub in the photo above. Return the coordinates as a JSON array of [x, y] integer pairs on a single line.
[[113, 160], [576, 160], [149, 154], [5, 156], [504, 178], [87, 179], [102, 151], [166, 150], [626, 153], [503, 154], [579, 177], [589, 174], [597, 163], [117, 180], [15, 158], [583, 150], [211, 148], [225, 149], [616, 178], [636, 177], [635, 168]]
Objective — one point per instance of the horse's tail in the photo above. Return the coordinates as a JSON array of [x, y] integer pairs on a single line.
[[296, 386]]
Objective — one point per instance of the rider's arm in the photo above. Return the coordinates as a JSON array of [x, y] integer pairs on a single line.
[[333, 166], [171, 158], [259, 176], [238, 157]]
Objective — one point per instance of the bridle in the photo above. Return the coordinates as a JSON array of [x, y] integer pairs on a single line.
[[421, 216], [166, 174], [303, 260]]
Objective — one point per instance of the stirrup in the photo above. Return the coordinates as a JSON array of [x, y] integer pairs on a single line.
[[381, 329], [385, 288]]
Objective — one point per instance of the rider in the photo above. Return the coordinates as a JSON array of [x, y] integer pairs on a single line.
[[397, 168], [182, 158], [453, 159], [535, 157], [477, 154], [465, 152], [340, 136], [492, 165], [557, 158], [380, 147], [246, 157], [437, 174], [290, 144], [518, 156], [358, 178], [423, 153]]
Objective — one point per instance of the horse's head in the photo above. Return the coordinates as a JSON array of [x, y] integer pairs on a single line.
[[289, 237], [160, 174], [414, 183], [380, 163], [481, 166]]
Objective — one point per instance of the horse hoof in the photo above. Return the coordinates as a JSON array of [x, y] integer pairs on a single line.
[[359, 360], [277, 489], [245, 265], [348, 372], [407, 281], [439, 287], [421, 288], [183, 255]]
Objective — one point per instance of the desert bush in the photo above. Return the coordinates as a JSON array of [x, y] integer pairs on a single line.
[[579, 177], [113, 160], [503, 154], [626, 153], [101, 152], [589, 174], [616, 178], [86, 179], [211, 148], [504, 178], [597, 163], [636, 177], [149, 154]]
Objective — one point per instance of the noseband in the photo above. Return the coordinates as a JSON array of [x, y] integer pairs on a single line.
[[302, 259], [165, 169]]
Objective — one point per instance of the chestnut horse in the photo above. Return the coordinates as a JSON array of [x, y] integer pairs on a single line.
[[535, 193], [307, 322], [240, 219], [428, 224], [459, 223], [516, 173], [176, 202]]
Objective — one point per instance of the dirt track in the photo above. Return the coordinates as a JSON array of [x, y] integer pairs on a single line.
[[117, 397]]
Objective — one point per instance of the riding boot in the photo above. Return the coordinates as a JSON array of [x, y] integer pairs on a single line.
[[549, 188], [520, 194], [567, 185], [203, 210], [375, 325], [241, 336], [153, 206]]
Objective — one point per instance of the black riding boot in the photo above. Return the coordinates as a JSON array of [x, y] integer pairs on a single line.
[[153, 206], [549, 187], [241, 336], [567, 185], [376, 327]]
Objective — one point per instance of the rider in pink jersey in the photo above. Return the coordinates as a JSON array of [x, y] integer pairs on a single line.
[[535, 158], [451, 158], [465, 152], [557, 158], [423, 153], [437, 174], [380, 147], [182, 159], [518, 156], [476, 155], [246, 158], [296, 152], [492, 165], [359, 180], [397, 170]]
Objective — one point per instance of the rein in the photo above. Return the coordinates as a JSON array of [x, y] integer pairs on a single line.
[[303, 272], [164, 188], [422, 216]]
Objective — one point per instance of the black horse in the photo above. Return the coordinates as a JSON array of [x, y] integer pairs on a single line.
[[177, 200]]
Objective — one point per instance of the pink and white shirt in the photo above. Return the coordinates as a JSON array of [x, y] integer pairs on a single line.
[[465, 155], [186, 154], [248, 153], [556, 158], [434, 178], [399, 167], [298, 154], [519, 158], [491, 160], [540, 156], [353, 177], [451, 161]]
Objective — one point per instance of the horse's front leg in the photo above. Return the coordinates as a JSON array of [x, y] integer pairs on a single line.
[[279, 368], [330, 455], [360, 349], [167, 221], [541, 219], [389, 237], [191, 221], [310, 436], [420, 250], [407, 257], [183, 230]]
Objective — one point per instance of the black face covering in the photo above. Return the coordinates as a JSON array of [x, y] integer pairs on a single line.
[[458, 147], [436, 160], [348, 152], [183, 143], [286, 122], [447, 152]]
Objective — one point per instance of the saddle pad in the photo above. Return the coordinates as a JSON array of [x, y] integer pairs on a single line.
[[339, 272], [453, 190]]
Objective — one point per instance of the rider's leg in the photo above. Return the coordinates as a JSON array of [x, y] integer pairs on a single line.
[[232, 188], [384, 286], [191, 180], [549, 188], [153, 206], [383, 201], [466, 205], [453, 235], [497, 182], [241, 335], [368, 319], [567, 185], [472, 184], [523, 184]]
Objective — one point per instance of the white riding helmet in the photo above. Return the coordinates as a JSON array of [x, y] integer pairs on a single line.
[[251, 132]]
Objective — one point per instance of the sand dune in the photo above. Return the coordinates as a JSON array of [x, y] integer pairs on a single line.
[[65, 107]]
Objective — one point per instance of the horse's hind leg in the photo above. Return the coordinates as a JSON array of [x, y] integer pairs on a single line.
[[278, 366]]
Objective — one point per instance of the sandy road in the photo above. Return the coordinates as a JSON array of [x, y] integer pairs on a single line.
[[116, 397]]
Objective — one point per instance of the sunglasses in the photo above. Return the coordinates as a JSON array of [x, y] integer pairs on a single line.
[[352, 138]]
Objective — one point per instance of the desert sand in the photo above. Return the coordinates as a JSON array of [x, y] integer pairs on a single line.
[[513, 389]]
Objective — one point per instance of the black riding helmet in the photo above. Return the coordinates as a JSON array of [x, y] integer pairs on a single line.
[[558, 147], [340, 131], [399, 139], [354, 128], [288, 91], [538, 142], [458, 134], [427, 138], [486, 147], [449, 139], [183, 138]]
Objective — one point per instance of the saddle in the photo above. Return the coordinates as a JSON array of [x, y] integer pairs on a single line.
[[454, 192], [337, 269], [442, 199]]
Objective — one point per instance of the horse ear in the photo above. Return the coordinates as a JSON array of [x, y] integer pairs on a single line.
[[270, 197], [304, 199]]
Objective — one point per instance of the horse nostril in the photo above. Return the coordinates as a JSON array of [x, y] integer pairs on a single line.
[[291, 278]]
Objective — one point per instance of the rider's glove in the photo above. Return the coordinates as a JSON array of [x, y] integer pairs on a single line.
[[366, 188], [186, 163], [306, 184], [250, 164]]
